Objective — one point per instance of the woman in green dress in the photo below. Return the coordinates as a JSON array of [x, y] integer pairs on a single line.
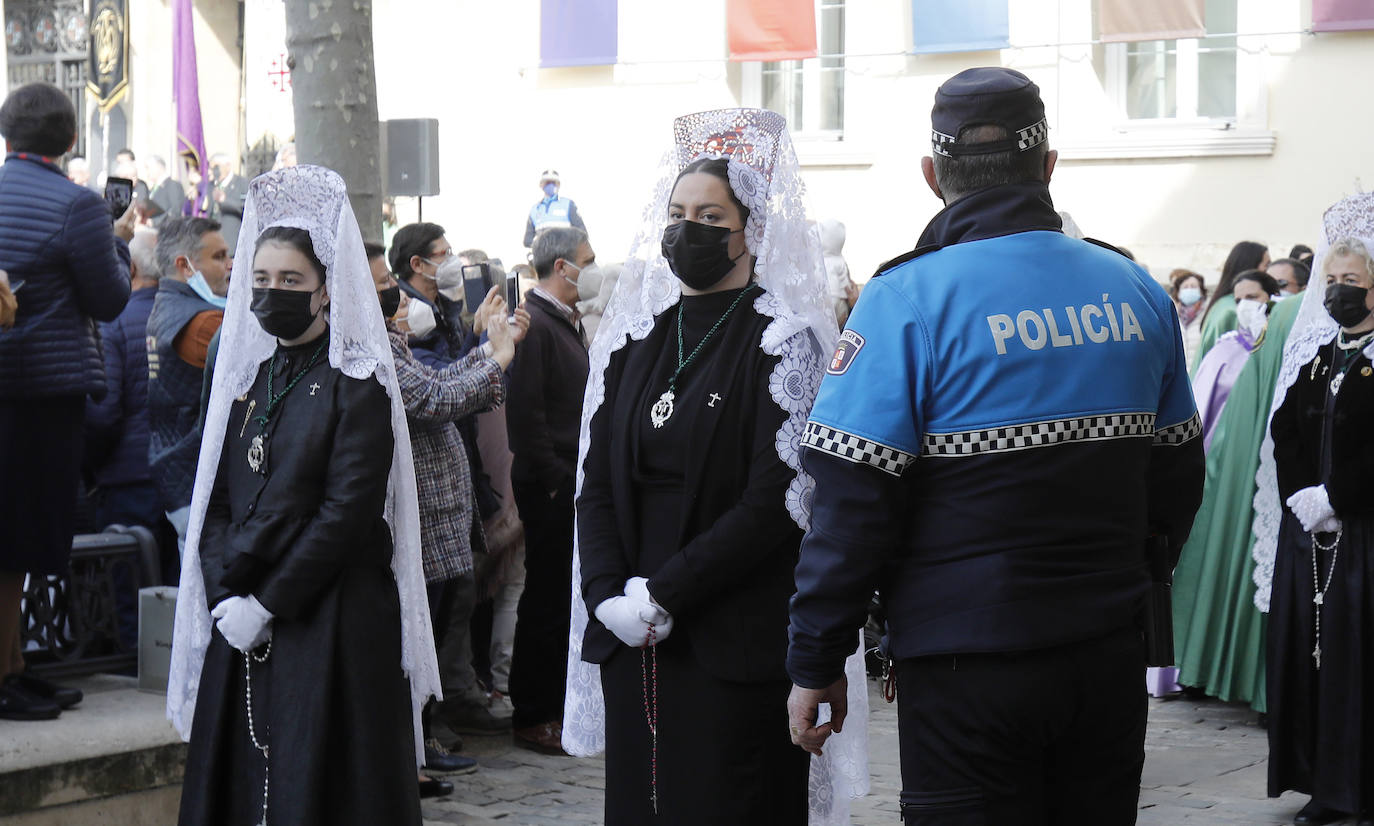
[[1218, 631]]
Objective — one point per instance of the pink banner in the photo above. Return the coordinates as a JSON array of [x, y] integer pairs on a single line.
[[1121, 21]]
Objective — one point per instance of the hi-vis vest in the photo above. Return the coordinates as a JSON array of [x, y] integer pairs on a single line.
[[551, 213]]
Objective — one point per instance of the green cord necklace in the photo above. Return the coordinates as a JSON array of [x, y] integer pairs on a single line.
[[257, 449], [662, 410]]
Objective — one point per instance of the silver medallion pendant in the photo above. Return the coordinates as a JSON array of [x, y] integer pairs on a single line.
[[257, 452], [662, 410]]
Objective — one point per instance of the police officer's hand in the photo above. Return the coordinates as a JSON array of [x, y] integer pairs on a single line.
[[803, 707]]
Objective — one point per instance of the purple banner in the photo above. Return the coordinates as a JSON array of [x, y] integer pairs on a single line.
[[577, 32], [190, 143], [941, 26], [1342, 15]]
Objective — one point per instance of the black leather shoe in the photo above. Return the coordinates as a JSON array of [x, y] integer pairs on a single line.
[[64, 696], [430, 787], [441, 760], [18, 704], [1315, 814]]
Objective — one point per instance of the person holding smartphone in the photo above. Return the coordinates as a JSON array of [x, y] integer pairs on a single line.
[[56, 237]]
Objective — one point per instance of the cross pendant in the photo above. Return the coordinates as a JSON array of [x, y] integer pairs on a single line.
[[715, 397], [314, 387]]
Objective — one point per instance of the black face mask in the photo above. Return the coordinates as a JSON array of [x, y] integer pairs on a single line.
[[1345, 303], [284, 313], [698, 253], [391, 300]]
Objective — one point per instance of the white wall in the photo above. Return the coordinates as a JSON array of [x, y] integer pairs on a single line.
[[474, 65]]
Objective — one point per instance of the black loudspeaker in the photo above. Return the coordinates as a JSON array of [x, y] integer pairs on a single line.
[[410, 148]]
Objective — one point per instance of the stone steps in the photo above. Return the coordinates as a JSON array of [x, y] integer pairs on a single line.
[[112, 759]]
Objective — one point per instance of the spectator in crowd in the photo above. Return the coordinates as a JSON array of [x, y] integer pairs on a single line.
[[1220, 315], [8, 304], [167, 198], [553, 210], [286, 156], [79, 170], [187, 312], [1188, 291], [66, 269], [230, 190], [116, 460], [125, 160], [543, 418], [1291, 275], [832, 235], [1301, 252], [117, 426], [435, 321], [593, 297], [434, 400]]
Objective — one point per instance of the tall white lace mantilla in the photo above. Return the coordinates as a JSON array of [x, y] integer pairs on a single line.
[[765, 176], [314, 199]]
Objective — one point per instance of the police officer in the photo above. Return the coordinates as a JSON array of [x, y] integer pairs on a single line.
[[553, 210], [1006, 420]]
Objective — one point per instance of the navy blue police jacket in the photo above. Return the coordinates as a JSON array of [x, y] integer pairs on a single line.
[[1006, 418]]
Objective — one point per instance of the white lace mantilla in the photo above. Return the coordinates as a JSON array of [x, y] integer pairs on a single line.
[[314, 199], [1312, 329], [765, 176]]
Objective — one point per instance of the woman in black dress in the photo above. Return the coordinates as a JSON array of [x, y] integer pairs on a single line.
[[303, 714], [690, 498], [1321, 649]]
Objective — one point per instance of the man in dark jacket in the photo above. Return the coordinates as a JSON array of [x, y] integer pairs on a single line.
[[230, 191], [187, 312], [117, 426], [544, 411], [68, 269]]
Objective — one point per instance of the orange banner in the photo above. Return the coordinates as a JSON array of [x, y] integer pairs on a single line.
[[1121, 21], [771, 29]]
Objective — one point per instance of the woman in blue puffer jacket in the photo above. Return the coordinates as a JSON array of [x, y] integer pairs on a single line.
[[67, 268]]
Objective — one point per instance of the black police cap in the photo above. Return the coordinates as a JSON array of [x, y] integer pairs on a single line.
[[983, 96]]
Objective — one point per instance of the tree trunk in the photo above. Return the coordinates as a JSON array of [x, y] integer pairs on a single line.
[[334, 95]]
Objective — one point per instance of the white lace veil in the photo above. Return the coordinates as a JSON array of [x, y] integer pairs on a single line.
[[1313, 328], [766, 177], [314, 199]]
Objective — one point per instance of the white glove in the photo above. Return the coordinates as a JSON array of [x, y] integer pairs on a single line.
[[637, 588], [625, 617], [1313, 509], [243, 622]]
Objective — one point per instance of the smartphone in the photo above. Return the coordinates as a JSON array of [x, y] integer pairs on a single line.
[[119, 193], [512, 292], [476, 285]]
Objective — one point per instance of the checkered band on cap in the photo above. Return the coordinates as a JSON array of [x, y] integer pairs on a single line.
[[1181, 433], [938, 141], [1038, 434], [1032, 135], [856, 449]]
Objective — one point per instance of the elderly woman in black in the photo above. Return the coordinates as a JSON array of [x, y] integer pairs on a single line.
[[1321, 649]]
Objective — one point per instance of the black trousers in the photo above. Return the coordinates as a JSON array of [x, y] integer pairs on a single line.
[[539, 663], [1035, 738]]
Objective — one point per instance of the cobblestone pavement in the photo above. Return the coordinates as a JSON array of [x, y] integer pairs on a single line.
[[1205, 763]]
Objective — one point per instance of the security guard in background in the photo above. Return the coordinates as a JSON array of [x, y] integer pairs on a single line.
[[1006, 420], [553, 210]]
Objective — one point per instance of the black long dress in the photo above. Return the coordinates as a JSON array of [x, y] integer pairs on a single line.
[[307, 537], [710, 478], [1321, 720]]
